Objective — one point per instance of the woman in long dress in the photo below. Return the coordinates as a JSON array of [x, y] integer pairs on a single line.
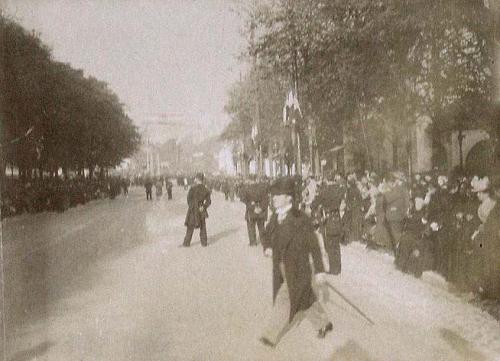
[[410, 251]]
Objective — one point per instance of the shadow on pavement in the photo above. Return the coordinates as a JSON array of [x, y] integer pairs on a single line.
[[351, 351], [461, 346], [35, 281], [33, 353], [214, 238]]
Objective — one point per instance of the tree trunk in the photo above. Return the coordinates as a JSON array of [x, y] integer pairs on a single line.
[[2, 298]]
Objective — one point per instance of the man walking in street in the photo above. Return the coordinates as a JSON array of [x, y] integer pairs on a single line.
[[169, 186], [148, 184], [198, 200], [255, 196], [290, 239]]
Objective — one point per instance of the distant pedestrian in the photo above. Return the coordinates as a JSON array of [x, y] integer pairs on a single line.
[[125, 185], [169, 186], [148, 184], [225, 189], [198, 200], [159, 188]]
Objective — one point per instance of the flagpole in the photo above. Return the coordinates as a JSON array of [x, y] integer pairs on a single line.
[[298, 161]]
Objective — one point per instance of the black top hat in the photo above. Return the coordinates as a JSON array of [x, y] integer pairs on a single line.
[[283, 186], [200, 176]]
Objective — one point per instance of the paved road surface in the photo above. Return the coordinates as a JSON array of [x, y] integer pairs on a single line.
[[108, 281]]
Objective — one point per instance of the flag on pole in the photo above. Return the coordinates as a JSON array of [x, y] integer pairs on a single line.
[[291, 109], [255, 132]]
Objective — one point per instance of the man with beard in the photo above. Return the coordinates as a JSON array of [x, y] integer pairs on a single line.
[[290, 239], [198, 200]]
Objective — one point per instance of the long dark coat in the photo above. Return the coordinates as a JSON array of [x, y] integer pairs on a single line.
[[396, 203], [333, 234], [198, 200], [381, 236], [354, 216], [255, 196], [439, 212], [489, 252], [412, 240], [329, 198], [292, 241]]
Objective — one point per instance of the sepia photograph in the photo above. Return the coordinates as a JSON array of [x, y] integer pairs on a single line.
[[250, 180]]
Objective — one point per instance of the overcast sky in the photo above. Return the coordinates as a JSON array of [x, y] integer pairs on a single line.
[[160, 56]]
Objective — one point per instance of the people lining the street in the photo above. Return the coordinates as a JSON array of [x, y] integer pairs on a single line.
[[54, 193], [428, 222]]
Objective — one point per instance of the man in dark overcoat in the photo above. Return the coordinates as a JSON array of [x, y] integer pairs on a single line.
[[354, 216], [169, 186], [290, 239], [148, 184], [396, 203], [488, 241], [326, 208], [198, 200], [256, 199], [439, 214], [225, 188]]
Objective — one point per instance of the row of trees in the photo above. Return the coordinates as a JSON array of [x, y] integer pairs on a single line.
[[365, 70], [53, 116]]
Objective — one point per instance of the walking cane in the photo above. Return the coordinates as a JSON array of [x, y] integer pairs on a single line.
[[350, 303]]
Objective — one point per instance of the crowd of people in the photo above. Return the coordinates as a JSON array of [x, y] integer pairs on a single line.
[[429, 222], [158, 183], [56, 194]]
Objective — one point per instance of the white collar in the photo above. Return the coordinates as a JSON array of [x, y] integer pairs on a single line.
[[284, 210]]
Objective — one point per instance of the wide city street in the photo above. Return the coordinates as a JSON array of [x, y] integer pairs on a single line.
[[108, 281]]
